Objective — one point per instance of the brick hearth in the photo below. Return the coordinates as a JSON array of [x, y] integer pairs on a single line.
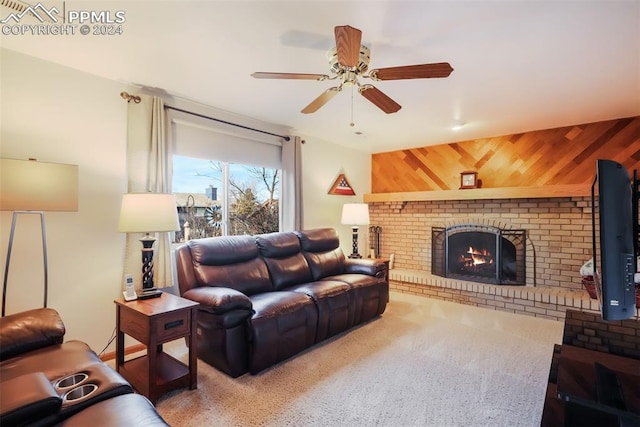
[[550, 303], [558, 244]]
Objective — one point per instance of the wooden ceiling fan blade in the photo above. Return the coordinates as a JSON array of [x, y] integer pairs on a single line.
[[348, 41], [421, 71], [379, 99], [294, 76], [321, 100]]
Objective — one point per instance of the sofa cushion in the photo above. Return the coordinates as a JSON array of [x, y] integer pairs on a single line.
[[223, 250], [370, 294], [321, 248], [278, 245], [319, 239], [231, 262], [286, 264], [55, 361], [356, 280], [29, 330]]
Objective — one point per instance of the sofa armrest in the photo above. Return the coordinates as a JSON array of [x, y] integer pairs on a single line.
[[29, 330], [219, 300], [27, 398], [370, 267]]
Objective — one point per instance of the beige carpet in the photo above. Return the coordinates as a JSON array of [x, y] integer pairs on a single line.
[[423, 363]]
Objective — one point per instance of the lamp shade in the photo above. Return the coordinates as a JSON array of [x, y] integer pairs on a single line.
[[148, 213], [355, 214], [29, 185]]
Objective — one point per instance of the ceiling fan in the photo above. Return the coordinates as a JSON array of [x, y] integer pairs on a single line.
[[348, 61]]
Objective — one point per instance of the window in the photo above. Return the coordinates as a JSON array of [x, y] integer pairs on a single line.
[[217, 198], [227, 179]]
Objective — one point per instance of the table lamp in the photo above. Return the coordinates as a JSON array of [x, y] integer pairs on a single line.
[[148, 213], [32, 187], [355, 214]]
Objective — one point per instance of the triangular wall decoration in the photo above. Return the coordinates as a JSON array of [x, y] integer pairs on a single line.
[[341, 187]]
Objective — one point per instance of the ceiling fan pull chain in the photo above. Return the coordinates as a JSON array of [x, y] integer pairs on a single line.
[[352, 124]]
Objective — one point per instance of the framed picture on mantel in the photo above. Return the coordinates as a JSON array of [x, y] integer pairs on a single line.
[[468, 179]]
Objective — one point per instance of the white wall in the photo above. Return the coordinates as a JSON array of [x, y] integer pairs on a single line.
[[56, 114], [322, 163], [61, 115]]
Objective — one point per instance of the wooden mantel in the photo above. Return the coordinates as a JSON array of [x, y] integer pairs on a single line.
[[545, 191]]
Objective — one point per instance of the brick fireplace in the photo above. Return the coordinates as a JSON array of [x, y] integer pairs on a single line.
[[558, 232], [538, 181], [558, 243]]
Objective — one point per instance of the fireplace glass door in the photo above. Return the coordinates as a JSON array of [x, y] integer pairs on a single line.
[[472, 254]]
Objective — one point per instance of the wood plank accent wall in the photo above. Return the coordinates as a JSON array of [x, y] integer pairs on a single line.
[[559, 156]]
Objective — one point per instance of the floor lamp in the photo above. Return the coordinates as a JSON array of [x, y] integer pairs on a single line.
[[148, 213], [32, 187], [355, 214]]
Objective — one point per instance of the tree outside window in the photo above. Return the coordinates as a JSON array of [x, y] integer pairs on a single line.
[[252, 196]]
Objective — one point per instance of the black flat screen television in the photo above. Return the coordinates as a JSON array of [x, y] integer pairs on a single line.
[[613, 240]]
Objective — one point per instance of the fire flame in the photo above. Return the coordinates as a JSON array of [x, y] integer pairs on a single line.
[[480, 257]]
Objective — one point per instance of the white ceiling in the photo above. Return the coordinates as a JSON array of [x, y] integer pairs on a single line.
[[518, 66]]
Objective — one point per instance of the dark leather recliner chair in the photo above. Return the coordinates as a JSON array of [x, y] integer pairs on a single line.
[[265, 298], [44, 381]]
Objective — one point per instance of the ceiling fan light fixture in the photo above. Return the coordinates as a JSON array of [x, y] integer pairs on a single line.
[[350, 78]]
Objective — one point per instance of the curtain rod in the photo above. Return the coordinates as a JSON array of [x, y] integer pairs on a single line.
[[137, 100], [286, 138]]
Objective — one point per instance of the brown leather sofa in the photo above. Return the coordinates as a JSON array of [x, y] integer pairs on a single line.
[[45, 381], [267, 297]]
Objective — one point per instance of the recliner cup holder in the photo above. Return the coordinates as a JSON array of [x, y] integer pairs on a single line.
[[71, 380], [78, 393]]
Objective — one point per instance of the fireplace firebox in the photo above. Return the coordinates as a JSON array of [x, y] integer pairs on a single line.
[[479, 253]]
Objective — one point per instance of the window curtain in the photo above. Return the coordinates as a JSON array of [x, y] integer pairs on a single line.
[[148, 170], [291, 213]]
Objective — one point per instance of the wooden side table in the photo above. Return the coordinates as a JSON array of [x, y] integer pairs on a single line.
[[154, 322]]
